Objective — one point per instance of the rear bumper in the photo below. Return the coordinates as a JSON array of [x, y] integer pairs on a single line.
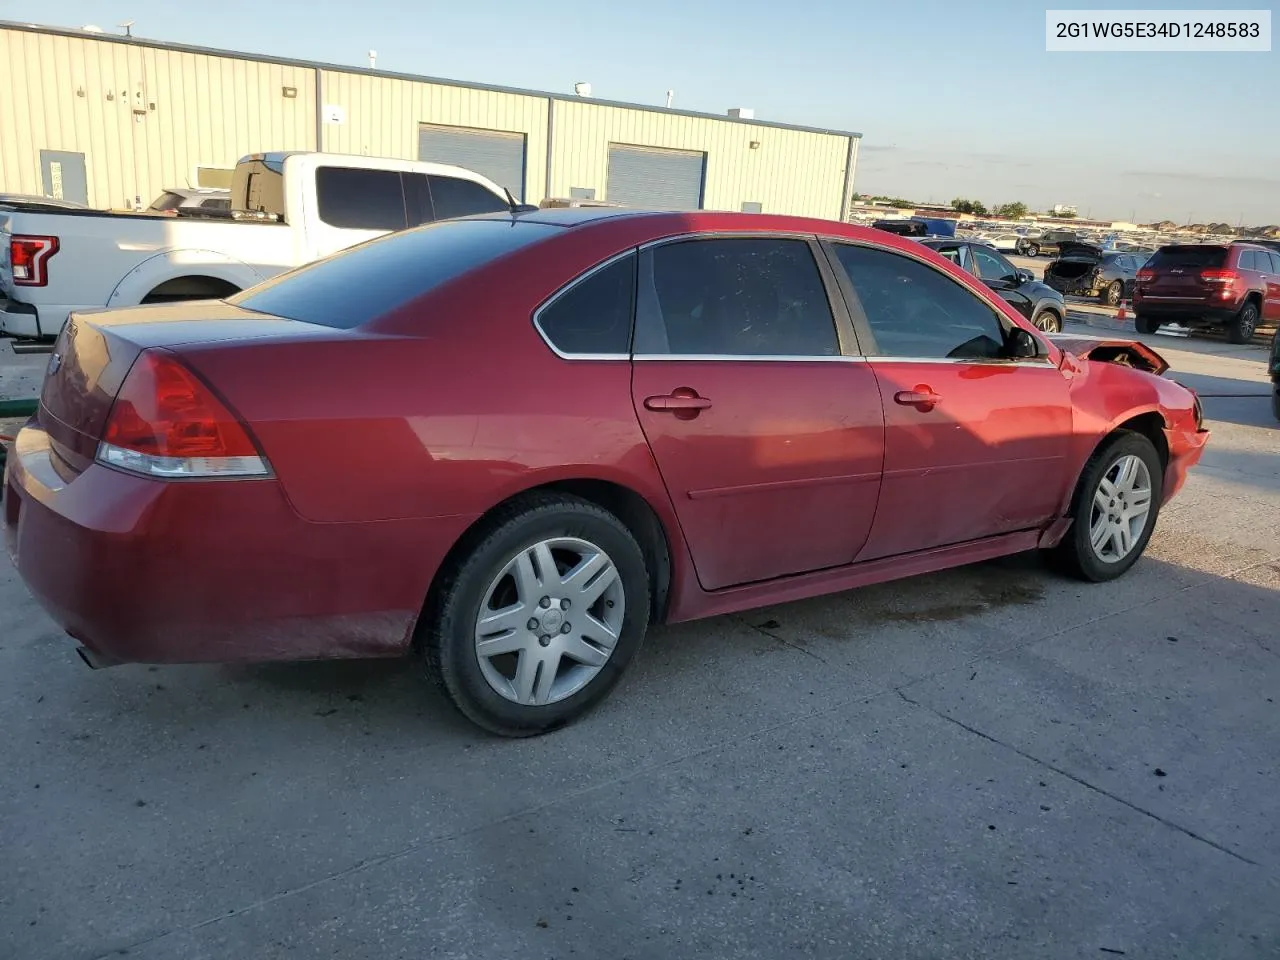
[[27, 320], [140, 570], [1190, 313]]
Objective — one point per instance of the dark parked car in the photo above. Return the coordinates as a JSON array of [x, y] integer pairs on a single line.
[[1274, 369], [762, 409], [1085, 270], [1042, 305], [1235, 285], [1049, 242]]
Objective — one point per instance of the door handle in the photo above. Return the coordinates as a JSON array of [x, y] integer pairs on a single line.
[[674, 402], [922, 398]]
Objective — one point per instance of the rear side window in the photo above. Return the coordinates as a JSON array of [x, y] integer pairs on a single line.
[[452, 197], [1275, 268], [370, 280], [1193, 257], [593, 315], [356, 199], [732, 297]]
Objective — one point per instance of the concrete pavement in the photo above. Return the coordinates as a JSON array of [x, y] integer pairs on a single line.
[[988, 762]]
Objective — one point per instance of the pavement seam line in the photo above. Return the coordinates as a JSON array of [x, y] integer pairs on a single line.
[[782, 640], [1081, 781]]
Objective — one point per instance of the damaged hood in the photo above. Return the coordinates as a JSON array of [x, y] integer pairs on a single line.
[[1129, 353]]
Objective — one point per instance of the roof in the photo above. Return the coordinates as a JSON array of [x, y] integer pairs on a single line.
[[416, 78]]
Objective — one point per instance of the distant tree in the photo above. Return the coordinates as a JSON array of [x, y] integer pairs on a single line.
[[1062, 214], [901, 204], [975, 207], [1012, 211]]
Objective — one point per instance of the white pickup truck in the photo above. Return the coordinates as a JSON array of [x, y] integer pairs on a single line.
[[287, 209]]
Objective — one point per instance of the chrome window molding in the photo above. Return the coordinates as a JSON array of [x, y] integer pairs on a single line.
[[750, 358], [550, 301]]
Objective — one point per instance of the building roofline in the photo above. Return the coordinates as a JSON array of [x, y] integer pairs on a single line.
[[78, 34]]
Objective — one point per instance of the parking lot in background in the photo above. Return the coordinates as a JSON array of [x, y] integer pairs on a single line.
[[992, 761]]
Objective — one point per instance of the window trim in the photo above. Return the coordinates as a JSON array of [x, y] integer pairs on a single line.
[[563, 290], [983, 293], [847, 341]]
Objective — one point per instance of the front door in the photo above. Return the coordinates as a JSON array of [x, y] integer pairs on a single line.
[[975, 444], [63, 175], [768, 438], [1002, 277]]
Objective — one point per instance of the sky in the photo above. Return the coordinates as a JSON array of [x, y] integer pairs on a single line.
[[952, 98]]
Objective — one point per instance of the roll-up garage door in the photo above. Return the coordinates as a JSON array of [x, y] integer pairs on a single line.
[[496, 154], [655, 178]]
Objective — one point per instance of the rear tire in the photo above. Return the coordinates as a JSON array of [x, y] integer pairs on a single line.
[[540, 675], [1243, 324], [1033, 249], [1113, 293], [1093, 507], [1145, 324], [1275, 403]]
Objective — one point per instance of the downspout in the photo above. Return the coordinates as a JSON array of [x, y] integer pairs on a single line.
[[551, 127], [319, 110], [851, 160]]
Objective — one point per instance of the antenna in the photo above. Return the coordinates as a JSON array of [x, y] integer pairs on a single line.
[[670, 95], [373, 59], [127, 27]]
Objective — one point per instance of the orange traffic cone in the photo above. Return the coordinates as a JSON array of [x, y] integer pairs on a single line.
[[1122, 314]]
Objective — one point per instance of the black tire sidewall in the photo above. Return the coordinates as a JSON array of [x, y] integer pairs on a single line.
[[1237, 329], [1145, 324], [453, 657], [1082, 558]]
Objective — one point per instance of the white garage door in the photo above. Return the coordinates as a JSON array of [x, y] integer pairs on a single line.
[[496, 154], [655, 178]]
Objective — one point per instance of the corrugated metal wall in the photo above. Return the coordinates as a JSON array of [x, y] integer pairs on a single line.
[[79, 95], [791, 171], [382, 115]]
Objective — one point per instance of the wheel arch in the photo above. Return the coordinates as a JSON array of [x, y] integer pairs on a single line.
[[634, 510], [175, 265], [1149, 423]]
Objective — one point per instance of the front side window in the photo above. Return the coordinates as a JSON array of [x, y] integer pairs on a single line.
[[916, 311], [453, 197], [992, 266], [593, 315], [734, 296], [353, 198]]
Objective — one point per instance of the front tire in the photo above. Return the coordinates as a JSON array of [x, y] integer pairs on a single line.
[[1113, 293], [1243, 324], [538, 620], [1115, 507], [1048, 321]]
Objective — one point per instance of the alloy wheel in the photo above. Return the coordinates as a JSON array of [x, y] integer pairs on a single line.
[[549, 621], [1121, 507]]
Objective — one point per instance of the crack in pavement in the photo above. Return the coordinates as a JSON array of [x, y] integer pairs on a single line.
[[832, 707], [1081, 781], [783, 640]]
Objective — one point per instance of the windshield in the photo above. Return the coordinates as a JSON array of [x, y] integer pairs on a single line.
[[374, 278]]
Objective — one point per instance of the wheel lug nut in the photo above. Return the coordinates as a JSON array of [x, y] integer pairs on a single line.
[[564, 604], [544, 602], [533, 623], [566, 628], [545, 640]]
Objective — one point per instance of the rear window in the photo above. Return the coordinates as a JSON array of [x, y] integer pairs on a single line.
[[167, 201], [374, 278], [1198, 257]]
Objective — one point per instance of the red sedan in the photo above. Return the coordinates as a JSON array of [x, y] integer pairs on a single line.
[[508, 444]]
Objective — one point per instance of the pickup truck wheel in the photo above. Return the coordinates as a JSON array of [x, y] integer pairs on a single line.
[[536, 623], [1113, 294], [1243, 324], [1033, 250], [1115, 507], [1145, 324]]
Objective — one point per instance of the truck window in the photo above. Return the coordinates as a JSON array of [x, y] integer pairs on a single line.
[[370, 280], [452, 197], [355, 198], [257, 187]]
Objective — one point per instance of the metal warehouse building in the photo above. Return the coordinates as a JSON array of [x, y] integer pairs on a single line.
[[111, 120]]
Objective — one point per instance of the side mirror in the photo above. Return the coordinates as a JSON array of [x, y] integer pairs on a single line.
[[1021, 345], [1025, 276]]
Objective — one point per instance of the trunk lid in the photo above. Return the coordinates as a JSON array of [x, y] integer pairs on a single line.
[[1076, 250], [1176, 270], [1129, 353], [95, 350]]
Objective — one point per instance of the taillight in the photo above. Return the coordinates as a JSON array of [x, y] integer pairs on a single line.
[[1146, 274], [29, 259], [1219, 276], [166, 422]]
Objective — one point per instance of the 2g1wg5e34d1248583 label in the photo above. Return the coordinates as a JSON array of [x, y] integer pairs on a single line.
[[1158, 31]]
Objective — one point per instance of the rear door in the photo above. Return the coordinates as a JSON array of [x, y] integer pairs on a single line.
[[1271, 310], [351, 205], [975, 444], [765, 424]]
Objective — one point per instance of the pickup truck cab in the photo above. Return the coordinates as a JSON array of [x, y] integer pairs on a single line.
[[287, 209]]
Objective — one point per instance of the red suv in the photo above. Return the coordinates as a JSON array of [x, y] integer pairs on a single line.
[[1234, 285]]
